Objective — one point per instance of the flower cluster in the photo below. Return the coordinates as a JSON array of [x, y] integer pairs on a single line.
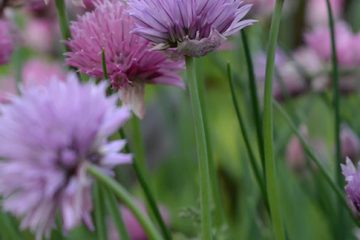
[[48, 136], [129, 60]]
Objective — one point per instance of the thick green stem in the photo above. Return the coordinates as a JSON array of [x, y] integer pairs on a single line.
[[216, 193], [253, 163], [254, 98], [270, 163], [201, 147], [128, 201]]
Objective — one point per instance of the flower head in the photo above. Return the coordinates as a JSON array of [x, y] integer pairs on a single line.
[[352, 178], [48, 136], [189, 27], [129, 60], [6, 41]]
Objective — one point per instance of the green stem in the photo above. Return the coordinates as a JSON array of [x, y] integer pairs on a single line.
[[115, 213], [148, 194], [335, 74], [63, 19], [270, 164], [254, 98], [202, 152], [245, 135], [216, 193], [128, 201], [138, 142], [340, 229], [100, 214]]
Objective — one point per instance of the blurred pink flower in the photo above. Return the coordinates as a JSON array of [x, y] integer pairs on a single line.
[[39, 35], [48, 136], [133, 227], [316, 11], [6, 41], [7, 89], [130, 62], [347, 44], [350, 143], [40, 72]]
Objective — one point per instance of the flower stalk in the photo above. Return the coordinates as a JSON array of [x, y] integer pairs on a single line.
[[201, 147]]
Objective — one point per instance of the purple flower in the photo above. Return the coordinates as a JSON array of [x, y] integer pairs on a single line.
[[130, 62], [189, 27], [6, 41], [352, 177], [48, 136]]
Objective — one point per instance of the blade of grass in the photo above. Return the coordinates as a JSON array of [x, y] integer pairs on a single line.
[[115, 213], [254, 98], [341, 226], [100, 213], [253, 162], [270, 164], [202, 151], [127, 199]]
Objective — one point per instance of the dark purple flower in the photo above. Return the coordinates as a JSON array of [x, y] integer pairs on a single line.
[[6, 41]]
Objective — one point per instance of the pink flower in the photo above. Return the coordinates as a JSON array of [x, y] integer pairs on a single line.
[[39, 72], [39, 34], [47, 138], [347, 44], [133, 227], [6, 41], [352, 188], [317, 11], [7, 89], [129, 60], [190, 28]]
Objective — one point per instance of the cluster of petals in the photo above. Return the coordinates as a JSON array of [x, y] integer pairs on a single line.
[[129, 59], [189, 27], [48, 136]]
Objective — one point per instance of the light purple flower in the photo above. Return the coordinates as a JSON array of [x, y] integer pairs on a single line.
[[47, 138], [6, 41], [316, 11], [189, 27], [130, 62], [352, 178], [350, 143]]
